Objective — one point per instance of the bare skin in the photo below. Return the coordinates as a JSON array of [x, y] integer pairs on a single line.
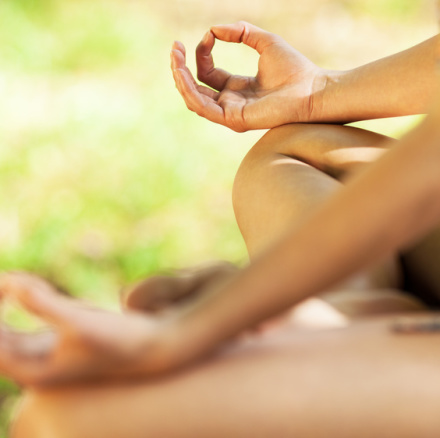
[[287, 173], [296, 90], [284, 347], [56, 357], [360, 228], [343, 234], [362, 381]]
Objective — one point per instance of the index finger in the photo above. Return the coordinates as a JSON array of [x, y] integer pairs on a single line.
[[206, 72], [244, 32]]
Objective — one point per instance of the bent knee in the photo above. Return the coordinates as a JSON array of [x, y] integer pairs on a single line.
[[261, 153], [335, 150], [289, 141], [258, 174]]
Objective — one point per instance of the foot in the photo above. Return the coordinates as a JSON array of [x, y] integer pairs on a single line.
[[159, 292]]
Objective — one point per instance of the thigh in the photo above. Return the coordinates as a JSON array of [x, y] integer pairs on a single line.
[[362, 381]]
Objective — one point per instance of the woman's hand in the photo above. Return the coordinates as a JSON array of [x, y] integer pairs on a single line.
[[289, 88], [283, 91], [84, 343]]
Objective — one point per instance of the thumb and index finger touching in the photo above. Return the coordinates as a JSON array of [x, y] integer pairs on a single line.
[[241, 32]]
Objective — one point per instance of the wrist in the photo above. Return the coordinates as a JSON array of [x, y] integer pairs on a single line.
[[155, 353], [174, 343], [326, 88]]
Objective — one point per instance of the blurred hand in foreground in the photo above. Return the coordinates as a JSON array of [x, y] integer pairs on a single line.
[[281, 92], [83, 343]]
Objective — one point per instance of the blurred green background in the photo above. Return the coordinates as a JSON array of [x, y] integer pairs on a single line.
[[105, 176]]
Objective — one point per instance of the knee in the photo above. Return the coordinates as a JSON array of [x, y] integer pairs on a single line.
[[246, 176], [254, 170], [287, 140]]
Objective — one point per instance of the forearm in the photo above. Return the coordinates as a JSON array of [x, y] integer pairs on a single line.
[[398, 85], [390, 205]]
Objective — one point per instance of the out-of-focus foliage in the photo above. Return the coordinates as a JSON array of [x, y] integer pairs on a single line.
[[104, 177], [104, 174]]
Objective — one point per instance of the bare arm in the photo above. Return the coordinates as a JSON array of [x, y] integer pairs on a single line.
[[398, 85], [395, 201], [386, 208], [289, 88], [392, 203]]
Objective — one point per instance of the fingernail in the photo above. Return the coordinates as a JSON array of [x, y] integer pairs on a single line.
[[206, 37]]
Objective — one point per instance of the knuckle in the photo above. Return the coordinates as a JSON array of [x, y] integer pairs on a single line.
[[235, 123]]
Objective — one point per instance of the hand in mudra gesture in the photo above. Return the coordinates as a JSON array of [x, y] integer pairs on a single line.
[[82, 342], [85, 343], [281, 92]]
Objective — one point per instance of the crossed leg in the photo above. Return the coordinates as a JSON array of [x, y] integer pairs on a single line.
[[292, 170], [287, 382]]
